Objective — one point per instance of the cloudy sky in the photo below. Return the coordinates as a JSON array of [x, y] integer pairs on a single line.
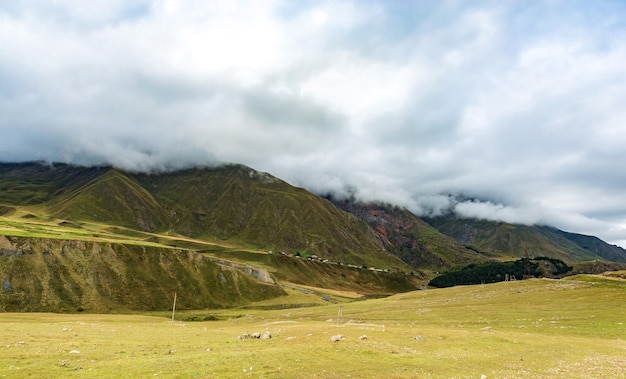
[[519, 106]]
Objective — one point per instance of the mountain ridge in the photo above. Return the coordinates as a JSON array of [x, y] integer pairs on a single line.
[[237, 204], [229, 203], [522, 241], [234, 213]]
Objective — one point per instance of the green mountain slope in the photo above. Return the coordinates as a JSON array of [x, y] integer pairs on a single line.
[[238, 204], [585, 245], [36, 183], [518, 241], [112, 197], [232, 204]]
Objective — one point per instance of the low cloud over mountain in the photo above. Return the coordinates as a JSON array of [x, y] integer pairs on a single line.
[[516, 105]]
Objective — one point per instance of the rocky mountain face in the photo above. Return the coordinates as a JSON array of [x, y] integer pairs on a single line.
[[410, 238]]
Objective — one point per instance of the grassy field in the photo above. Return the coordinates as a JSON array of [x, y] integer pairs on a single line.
[[31, 224], [523, 329], [571, 328]]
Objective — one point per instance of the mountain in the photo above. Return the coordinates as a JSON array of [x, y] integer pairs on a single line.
[[230, 204], [439, 243], [410, 238], [103, 239], [586, 245], [238, 204], [519, 241], [234, 205]]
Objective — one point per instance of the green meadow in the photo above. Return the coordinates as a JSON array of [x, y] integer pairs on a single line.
[[535, 328]]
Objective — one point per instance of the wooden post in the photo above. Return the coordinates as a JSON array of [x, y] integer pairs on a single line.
[[340, 315], [174, 307]]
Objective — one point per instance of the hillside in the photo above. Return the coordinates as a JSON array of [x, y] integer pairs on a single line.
[[586, 244], [517, 241], [36, 183], [237, 204], [59, 275], [52, 275], [232, 204], [113, 198]]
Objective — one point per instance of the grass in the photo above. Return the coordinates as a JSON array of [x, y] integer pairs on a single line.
[[615, 279], [524, 329], [38, 225]]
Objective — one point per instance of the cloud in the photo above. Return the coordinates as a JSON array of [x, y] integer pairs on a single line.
[[517, 104]]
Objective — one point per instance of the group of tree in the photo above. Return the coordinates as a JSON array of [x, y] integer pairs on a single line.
[[492, 272]]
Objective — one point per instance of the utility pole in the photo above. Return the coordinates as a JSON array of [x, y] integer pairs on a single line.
[[174, 307], [340, 315]]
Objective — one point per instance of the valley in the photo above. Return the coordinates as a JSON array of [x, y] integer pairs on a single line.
[[92, 258]]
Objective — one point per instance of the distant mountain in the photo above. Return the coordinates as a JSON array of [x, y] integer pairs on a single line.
[[410, 238], [519, 241], [589, 244], [35, 183]]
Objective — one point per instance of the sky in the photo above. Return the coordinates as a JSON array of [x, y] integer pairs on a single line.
[[502, 110]]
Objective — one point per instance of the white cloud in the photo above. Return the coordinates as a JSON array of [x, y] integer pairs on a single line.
[[516, 103]]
